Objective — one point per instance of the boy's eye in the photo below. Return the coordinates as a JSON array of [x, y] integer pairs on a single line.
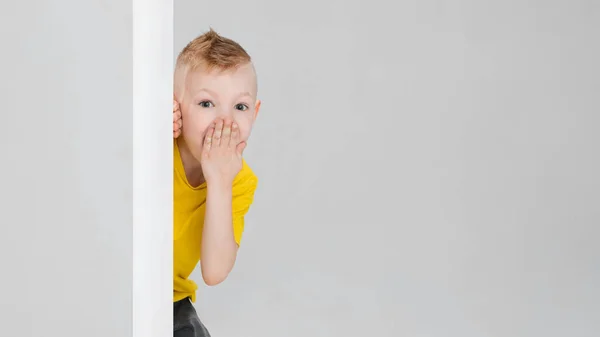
[[241, 107], [205, 104]]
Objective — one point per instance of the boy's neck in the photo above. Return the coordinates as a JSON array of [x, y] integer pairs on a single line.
[[191, 166]]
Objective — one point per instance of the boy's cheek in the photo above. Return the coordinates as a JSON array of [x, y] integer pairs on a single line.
[[195, 121], [193, 132], [245, 134]]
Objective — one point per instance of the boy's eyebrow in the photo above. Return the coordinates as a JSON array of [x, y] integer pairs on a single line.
[[245, 93], [241, 94], [208, 91]]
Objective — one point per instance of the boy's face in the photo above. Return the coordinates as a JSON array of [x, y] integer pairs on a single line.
[[208, 95]]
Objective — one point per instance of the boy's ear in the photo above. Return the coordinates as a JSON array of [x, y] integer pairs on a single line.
[[256, 108]]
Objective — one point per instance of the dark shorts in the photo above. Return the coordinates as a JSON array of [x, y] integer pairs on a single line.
[[186, 322]]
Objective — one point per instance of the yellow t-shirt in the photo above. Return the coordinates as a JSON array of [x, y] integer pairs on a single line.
[[188, 221]]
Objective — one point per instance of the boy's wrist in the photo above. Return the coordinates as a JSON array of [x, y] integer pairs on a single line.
[[219, 184]]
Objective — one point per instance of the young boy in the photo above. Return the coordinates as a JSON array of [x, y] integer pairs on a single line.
[[214, 109]]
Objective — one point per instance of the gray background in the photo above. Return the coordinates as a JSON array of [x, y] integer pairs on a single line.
[[66, 173], [427, 168]]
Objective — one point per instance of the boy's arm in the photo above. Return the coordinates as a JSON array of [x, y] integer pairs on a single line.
[[221, 162], [219, 248]]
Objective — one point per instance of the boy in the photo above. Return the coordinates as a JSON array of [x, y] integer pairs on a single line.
[[214, 109]]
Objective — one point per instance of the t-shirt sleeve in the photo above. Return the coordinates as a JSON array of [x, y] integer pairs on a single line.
[[243, 196]]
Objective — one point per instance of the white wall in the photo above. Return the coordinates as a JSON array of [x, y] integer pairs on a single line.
[[68, 202], [152, 168], [427, 168]]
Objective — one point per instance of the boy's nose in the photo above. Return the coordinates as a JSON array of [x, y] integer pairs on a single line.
[[225, 113]]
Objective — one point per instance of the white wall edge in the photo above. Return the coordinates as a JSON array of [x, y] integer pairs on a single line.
[[152, 168]]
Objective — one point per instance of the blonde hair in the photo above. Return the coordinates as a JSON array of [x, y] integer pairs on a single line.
[[209, 51], [212, 50]]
